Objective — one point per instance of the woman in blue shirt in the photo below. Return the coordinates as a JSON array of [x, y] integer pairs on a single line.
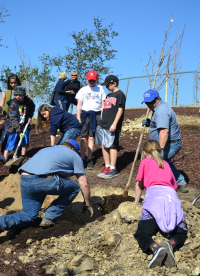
[[58, 119]]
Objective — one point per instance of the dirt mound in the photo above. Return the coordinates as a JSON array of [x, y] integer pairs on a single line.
[[109, 248]]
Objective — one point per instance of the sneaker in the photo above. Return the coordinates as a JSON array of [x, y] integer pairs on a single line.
[[102, 171], [183, 188], [90, 165], [170, 260], [110, 173], [158, 256]]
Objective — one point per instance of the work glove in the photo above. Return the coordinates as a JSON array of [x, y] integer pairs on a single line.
[[89, 209], [146, 122]]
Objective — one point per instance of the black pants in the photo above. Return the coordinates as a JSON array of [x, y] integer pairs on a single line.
[[147, 228]]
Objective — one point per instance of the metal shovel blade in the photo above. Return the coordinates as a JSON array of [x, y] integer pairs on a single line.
[[10, 162]]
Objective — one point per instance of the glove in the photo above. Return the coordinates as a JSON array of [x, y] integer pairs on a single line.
[[146, 122], [89, 209]]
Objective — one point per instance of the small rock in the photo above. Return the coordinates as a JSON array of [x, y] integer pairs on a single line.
[[6, 262], [8, 250], [87, 265], [196, 271], [78, 259], [129, 211]]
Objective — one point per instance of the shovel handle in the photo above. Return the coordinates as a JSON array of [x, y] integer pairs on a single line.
[[15, 154]]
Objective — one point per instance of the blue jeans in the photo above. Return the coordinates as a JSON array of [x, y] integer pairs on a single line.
[[71, 133], [33, 192], [171, 149]]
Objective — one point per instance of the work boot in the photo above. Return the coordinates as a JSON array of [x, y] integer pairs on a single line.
[[46, 223], [183, 188]]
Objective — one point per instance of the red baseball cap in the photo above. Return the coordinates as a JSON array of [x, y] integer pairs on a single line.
[[92, 75]]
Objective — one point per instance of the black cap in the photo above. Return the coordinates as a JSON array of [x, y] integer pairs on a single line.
[[110, 79], [20, 90]]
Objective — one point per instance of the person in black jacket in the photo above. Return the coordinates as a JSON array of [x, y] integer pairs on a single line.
[[20, 112], [62, 91], [73, 85], [58, 119]]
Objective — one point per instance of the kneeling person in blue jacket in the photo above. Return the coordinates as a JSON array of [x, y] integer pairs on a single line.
[[46, 174], [58, 119]]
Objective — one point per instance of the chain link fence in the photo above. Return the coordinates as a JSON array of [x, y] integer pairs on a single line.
[[180, 89]]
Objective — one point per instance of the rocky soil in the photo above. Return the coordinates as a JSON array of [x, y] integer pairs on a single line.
[[106, 247]]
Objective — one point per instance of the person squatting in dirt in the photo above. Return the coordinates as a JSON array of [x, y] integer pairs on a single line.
[[161, 207], [109, 128], [164, 129], [7, 95], [20, 112], [58, 119], [46, 174], [90, 101]]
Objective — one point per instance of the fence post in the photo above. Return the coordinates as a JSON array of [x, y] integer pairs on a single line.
[[127, 87], [195, 87], [176, 91], [166, 89]]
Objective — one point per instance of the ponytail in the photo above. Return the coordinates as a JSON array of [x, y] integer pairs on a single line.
[[153, 148]]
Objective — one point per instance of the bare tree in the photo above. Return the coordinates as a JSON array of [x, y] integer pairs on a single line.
[[159, 75], [175, 68], [25, 67]]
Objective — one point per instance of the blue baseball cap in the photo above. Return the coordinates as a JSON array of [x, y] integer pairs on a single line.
[[150, 95], [73, 143]]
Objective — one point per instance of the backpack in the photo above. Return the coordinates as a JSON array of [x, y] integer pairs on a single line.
[[51, 99]]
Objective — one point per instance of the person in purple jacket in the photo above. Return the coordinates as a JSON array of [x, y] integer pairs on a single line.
[[58, 119], [161, 207], [60, 98]]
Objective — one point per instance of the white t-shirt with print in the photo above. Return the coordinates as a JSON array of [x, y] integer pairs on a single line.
[[91, 97]]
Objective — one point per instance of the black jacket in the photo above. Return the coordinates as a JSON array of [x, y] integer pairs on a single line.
[[14, 119], [70, 85]]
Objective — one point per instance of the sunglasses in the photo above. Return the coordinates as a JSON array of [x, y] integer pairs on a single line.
[[73, 75]]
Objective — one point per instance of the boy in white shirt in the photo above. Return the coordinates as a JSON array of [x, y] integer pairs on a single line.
[[90, 101]]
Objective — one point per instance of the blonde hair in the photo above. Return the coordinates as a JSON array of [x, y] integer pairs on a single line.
[[62, 75], [153, 148], [75, 72]]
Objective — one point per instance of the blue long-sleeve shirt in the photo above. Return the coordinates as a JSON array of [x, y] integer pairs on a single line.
[[60, 93], [63, 120]]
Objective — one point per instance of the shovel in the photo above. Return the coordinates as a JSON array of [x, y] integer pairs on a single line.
[[15, 158]]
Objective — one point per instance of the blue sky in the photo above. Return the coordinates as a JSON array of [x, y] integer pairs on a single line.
[[43, 27]]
